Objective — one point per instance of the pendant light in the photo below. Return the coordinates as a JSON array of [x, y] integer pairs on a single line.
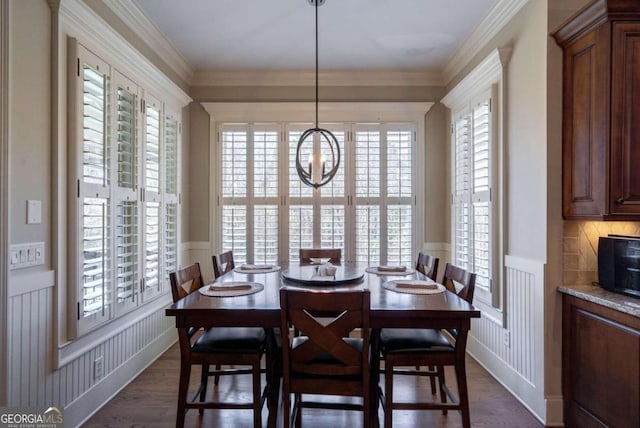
[[316, 174]]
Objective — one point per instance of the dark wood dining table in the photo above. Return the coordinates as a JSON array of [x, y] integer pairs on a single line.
[[388, 308]]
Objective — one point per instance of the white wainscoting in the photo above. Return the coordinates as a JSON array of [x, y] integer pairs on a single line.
[[33, 380], [516, 361]]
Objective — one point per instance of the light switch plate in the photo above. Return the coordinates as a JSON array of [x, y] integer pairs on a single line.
[[26, 255], [34, 212]]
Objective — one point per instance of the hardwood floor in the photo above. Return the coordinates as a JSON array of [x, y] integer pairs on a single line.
[[150, 401]]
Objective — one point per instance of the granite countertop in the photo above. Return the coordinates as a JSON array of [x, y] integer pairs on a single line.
[[599, 295]]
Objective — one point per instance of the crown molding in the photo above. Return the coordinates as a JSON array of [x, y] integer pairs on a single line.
[[135, 18], [303, 112], [492, 24], [328, 78]]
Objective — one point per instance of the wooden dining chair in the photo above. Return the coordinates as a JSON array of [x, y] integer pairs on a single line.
[[223, 263], [324, 360], [333, 254], [217, 346], [427, 265], [402, 347]]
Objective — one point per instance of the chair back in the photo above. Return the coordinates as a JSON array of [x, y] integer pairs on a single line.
[[324, 349], [223, 263], [333, 254], [427, 265], [185, 281], [459, 281]]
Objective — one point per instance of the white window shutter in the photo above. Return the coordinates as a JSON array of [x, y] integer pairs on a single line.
[[482, 193], [152, 286], [93, 267], [127, 205]]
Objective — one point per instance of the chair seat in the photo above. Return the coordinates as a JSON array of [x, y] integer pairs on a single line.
[[408, 340], [230, 340]]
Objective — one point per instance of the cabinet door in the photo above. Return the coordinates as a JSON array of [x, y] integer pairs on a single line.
[[601, 366], [586, 125], [625, 135]]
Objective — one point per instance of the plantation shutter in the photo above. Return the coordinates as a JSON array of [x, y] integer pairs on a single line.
[[481, 195], [461, 192], [472, 191], [332, 214], [127, 206], [90, 134], [171, 196], [152, 200], [367, 196], [234, 191], [300, 200], [399, 200], [265, 199]]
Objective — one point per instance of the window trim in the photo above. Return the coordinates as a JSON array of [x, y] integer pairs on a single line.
[[489, 75], [289, 112]]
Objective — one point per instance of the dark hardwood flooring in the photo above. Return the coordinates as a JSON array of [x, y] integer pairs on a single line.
[[150, 401]]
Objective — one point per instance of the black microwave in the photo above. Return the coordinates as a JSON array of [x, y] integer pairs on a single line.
[[619, 264]]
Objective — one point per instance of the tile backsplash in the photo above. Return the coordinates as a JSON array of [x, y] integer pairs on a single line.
[[580, 247]]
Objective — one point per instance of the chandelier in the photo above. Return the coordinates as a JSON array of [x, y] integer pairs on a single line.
[[316, 172]]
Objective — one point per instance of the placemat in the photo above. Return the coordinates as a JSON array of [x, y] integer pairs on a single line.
[[270, 269], [413, 286], [231, 289], [374, 270]]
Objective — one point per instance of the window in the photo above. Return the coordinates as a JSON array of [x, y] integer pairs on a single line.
[[472, 208], [476, 221], [368, 209], [123, 166]]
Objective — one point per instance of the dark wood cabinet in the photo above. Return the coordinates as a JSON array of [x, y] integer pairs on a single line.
[[601, 366], [601, 111]]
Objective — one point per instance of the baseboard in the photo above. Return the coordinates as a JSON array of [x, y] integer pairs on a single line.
[[555, 411], [85, 406], [510, 379]]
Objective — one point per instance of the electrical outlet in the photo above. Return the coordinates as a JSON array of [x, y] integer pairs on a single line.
[[98, 368], [507, 338]]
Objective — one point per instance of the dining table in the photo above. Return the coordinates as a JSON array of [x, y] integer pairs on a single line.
[[389, 308]]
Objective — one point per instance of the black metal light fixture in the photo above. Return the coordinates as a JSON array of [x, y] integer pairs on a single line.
[[317, 175]]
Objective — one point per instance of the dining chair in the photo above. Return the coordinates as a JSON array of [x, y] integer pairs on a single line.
[[307, 254], [324, 360], [403, 347], [427, 265], [223, 263], [218, 346]]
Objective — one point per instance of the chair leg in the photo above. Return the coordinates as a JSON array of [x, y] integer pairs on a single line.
[[257, 396], [366, 409], [461, 375], [443, 393], [216, 378], [297, 411], [286, 405], [388, 392], [204, 380], [183, 388], [433, 380]]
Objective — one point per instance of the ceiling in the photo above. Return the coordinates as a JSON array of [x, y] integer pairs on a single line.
[[219, 35]]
